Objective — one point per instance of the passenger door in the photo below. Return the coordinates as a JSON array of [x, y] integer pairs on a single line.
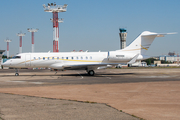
[[28, 60]]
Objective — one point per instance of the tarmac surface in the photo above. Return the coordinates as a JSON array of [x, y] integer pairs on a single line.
[[125, 94]]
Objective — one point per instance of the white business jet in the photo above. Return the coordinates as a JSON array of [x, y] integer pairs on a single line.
[[88, 61]]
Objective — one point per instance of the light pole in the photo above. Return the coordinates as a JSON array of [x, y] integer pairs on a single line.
[[20, 41], [52, 7], [32, 36], [8, 41]]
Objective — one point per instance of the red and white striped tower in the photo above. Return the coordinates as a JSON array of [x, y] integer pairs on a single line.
[[20, 41], [54, 46], [55, 9], [32, 36], [56, 21], [8, 41]]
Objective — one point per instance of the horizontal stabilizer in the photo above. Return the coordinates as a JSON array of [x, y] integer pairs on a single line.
[[158, 34], [133, 59]]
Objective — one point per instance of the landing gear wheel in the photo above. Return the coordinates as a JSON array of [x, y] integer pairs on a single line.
[[91, 72], [16, 74]]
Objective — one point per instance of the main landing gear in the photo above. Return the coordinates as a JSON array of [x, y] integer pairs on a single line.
[[91, 72], [17, 72]]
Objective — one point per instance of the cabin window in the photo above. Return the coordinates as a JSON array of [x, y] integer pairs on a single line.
[[53, 58], [77, 58], [62, 57], [72, 58], [67, 58], [34, 58], [39, 58], [48, 58], [119, 55], [57, 58], [86, 57], [90, 57], [16, 57], [43, 58], [81, 57]]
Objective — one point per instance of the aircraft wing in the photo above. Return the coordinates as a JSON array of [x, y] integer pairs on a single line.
[[80, 66], [84, 66]]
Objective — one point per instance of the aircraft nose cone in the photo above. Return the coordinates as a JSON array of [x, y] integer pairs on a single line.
[[5, 64], [2, 64]]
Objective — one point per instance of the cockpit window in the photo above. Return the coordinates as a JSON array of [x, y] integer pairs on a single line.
[[16, 57]]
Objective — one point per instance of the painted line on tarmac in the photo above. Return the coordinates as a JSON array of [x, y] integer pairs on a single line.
[[36, 82], [154, 76], [106, 77], [16, 81], [25, 82], [80, 75]]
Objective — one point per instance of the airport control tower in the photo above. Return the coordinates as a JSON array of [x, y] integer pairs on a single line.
[[123, 35]]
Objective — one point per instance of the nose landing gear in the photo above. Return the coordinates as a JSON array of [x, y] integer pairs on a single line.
[[17, 72]]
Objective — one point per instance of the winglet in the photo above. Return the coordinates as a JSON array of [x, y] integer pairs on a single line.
[[133, 60]]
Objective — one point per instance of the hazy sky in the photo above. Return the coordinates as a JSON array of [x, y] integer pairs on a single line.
[[90, 24]]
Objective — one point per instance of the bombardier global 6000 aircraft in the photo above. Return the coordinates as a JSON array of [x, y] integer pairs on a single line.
[[88, 61]]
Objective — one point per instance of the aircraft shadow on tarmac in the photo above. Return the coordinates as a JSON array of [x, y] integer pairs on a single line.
[[74, 74], [97, 74], [97, 79]]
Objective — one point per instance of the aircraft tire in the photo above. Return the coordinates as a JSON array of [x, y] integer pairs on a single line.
[[16, 74], [91, 72]]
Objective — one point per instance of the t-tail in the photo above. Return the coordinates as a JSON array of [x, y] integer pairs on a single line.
[[142, 43]]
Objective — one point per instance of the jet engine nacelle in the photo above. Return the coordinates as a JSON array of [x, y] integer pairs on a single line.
[[57, 66]]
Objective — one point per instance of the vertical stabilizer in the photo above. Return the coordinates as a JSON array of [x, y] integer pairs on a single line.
[[142, 43]]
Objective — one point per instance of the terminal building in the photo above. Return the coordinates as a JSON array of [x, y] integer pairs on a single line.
[[171, 57], [1, 53]]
